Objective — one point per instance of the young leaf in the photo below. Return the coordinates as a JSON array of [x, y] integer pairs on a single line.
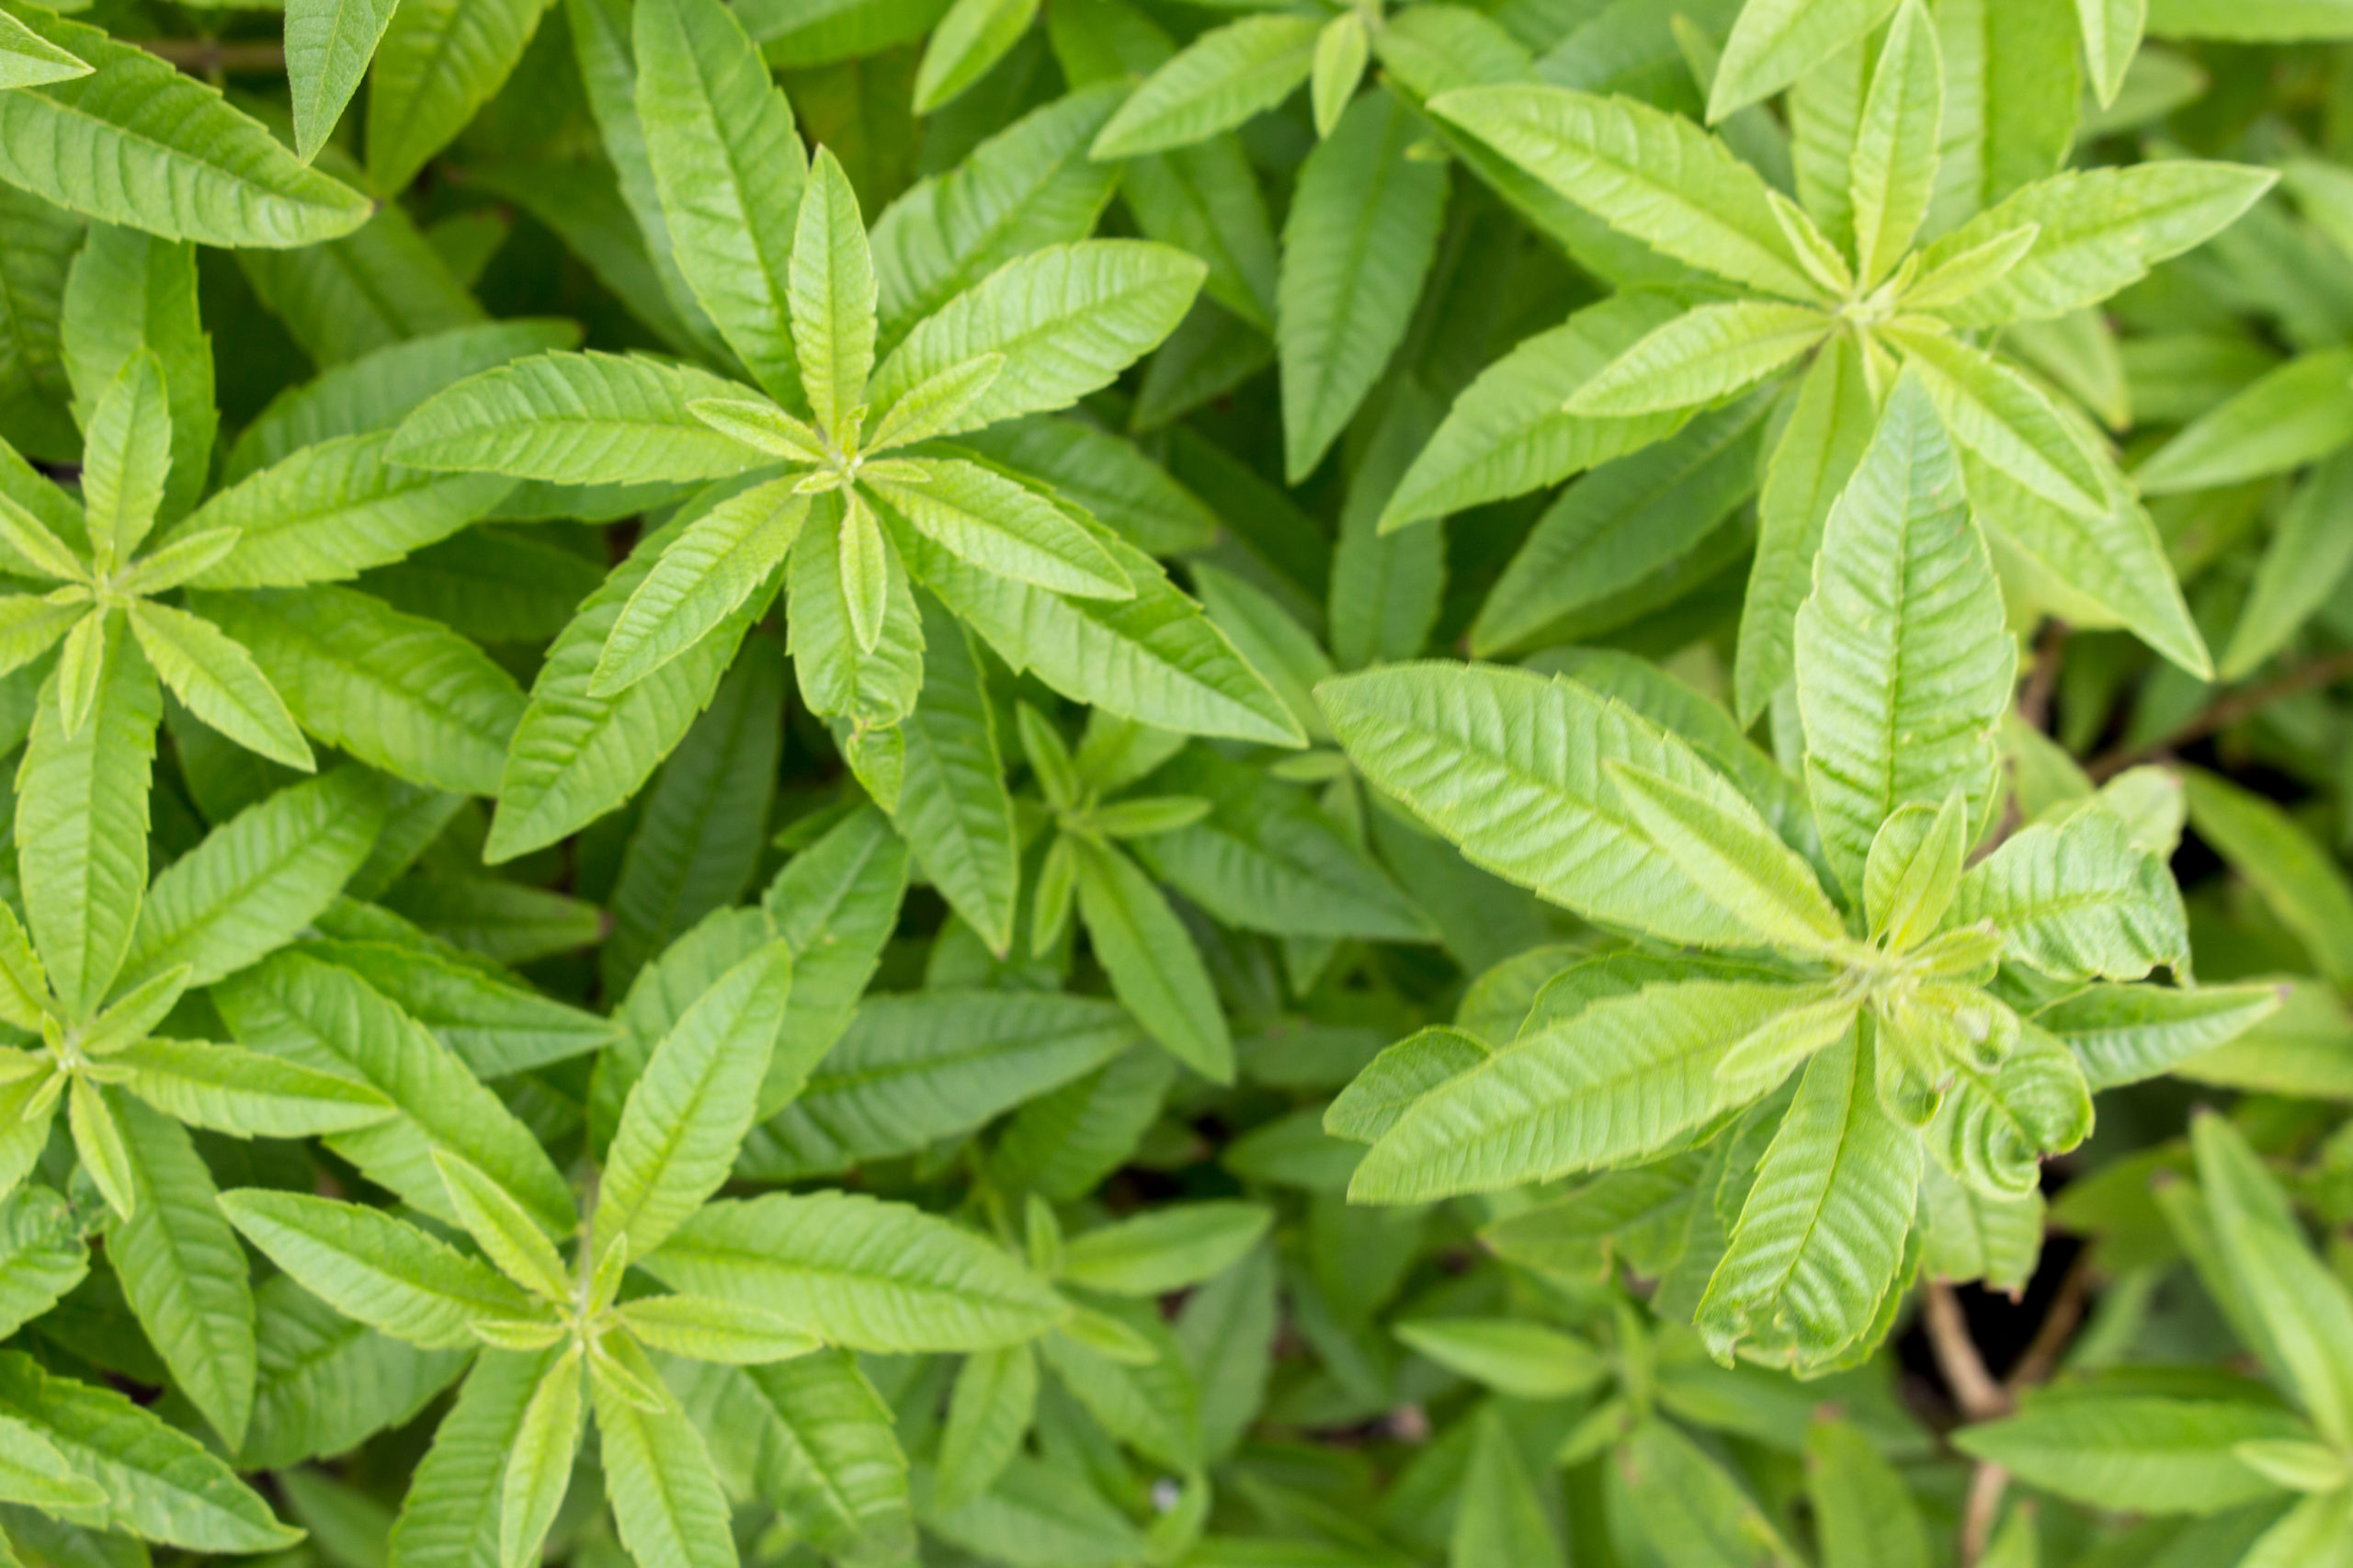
[[832, 291], [1222, 79]]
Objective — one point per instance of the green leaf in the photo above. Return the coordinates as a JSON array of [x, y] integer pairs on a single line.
[[322, 1016], [711, 1329], [1510, 1356], [183, 1272], [1693, 1512], [2078, 901], [1776, 43], [1625, 1077], [1820, 1240], [451, 1511], [988, 1415], [723, 153], [437, 62], [1507, 434], [913, 1069], [28, 60], [2141, 1452], [2304, 1309], [722, 558], [1026, 187], [2306, 890], [157, 1481], [82, 827], [369, 1266], [330, 511], [1361, 236], [1705, 353], [575, 756], [809, 1436], [2005, 421], [1650, 174], [2304, 561], [2296, 414], [1735, 860], [1154, 966], [127, 451], [832, 291], [1511, 766], [2122, 1034], [2097, 232], [993, 523], [1225, 77], [858, 1272], [2013, 93], [327, 1382], [954, 810], [576, 418], [1903, 663], [1067, 318], [1626, 520], [397, 691], [1501, 1520], [690, 1110], [2112, 38], [135, 142], [1133, 1382], [970, 39], [42, 1254], [328, 45], [1153, 658], [1166, 1250], [539, 1471], [219, 682], [1892, 170], [1967, 1235], [1862, 1510], [1993, 1128]]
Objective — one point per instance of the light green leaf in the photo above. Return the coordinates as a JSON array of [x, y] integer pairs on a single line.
[[1903, 667], [1776, 43], [1863, 1510], [1165, 1250], [1625, 1077], [331, 510], [954, 810], [127, 451], [2097, 232], [1067, 318], [158, 1482], [723, 556], [2307, 892], [2299, 571], [1507, 434], [1154, 966], [1153, 658], [82, 827], [2111, 37], [319, 1016], [328, 45], [994, 523], [137, 142], [2078, 900], [397, 691], [2298, 414], [1820, 1240], [2005, 420], [1708, 353], [711, 1329], [1501, 1520], [577, 756], [2143, 1452], [575, 418], [831, 293], [1524, 1359], [911, 1070], [1650, 174], [183, 1272], [1694, 1513], [811, 1437], [970, 39], [2121, 1034], [1510, 767], [858, 1272], [28, 60], [1225, 77], [688, 1112], [988, 1415], [539, 1469], [729, 168], [219, 682], [1993, 1128], [243, 1093], [1893, 168], [1734, 859], [369, 1266], [1362, 233]]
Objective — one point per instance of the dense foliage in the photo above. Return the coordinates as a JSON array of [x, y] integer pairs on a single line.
[[1195, 783]]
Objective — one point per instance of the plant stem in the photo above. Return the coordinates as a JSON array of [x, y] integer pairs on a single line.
[[2224, 711], [210, 56]]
